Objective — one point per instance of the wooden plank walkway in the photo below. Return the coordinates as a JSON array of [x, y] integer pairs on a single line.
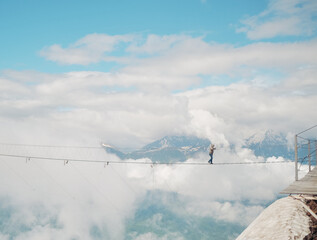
[[307, 185]]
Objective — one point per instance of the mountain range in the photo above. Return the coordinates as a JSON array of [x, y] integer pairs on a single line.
[[179, 148], [270, 144], [166, 150]]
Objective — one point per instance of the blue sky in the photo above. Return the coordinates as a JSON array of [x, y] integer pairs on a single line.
[[28, 26]]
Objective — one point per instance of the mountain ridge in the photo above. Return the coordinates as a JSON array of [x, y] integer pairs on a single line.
[[166, 150], [179, 148]]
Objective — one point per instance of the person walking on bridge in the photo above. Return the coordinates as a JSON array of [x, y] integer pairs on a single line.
[[211, 153]]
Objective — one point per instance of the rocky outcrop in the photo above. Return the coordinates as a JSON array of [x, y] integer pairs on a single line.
[[312, 204], [286, 218]]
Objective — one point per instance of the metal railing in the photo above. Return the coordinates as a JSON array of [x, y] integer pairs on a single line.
[[303, 151]]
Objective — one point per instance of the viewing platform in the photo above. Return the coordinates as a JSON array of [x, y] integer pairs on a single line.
[[307, 185]]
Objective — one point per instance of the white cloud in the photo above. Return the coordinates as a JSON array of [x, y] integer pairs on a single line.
[[182, 65], [108, 107], [227, 114], [301, 81], [233, 182], [49, 198], [176, 61], [226, 211], [284, 27], [90, 49], [153, 236], [155, 44], [179, 62], [282, 18]]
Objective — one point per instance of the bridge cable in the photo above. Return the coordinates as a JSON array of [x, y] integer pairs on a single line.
[[136, 162]]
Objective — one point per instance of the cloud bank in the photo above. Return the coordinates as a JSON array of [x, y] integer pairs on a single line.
[[49, 199]]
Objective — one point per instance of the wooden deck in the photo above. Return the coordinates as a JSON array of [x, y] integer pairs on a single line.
[[307, 185]]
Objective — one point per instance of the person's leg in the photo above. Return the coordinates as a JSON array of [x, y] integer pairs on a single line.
[[210, 160]]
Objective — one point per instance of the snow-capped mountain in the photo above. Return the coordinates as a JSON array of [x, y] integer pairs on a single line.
[[168, 149], [112, 150], [270, 143], [268, 136], [179, 148]]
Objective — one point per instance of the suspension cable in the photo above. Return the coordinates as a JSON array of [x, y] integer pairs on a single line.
[[135, 162], [48, 146], [306, 130]]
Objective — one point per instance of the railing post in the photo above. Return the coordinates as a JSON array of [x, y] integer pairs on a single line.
[[309, 163], [316, 152], [296, 160]]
